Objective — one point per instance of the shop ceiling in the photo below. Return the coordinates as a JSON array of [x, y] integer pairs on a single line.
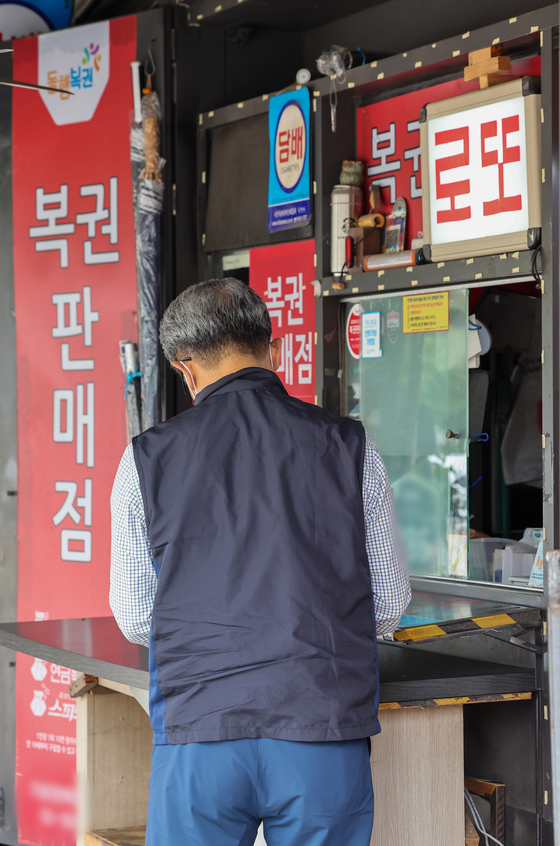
[[381, 26], [294, 15], [386, 26]]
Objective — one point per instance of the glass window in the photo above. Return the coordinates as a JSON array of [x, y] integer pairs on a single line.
[[447, 384], [412, 399]]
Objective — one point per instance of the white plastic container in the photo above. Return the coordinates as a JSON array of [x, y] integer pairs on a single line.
[[481, 554], [512, 562], [346, 207]]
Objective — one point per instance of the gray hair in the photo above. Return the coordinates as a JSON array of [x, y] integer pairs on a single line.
[[210, 319]]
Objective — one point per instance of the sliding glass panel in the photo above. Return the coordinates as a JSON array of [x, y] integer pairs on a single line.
[[409, 386]]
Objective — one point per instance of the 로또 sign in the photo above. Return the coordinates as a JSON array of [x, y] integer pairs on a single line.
[[426, 313], [481, 171]]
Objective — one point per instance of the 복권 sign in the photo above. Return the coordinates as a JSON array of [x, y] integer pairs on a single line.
[[75, 299], [282, 274], [426, 313], [481, 164], [289, 201]]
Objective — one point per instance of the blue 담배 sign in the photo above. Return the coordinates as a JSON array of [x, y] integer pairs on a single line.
[[289, 195], [371, 334]]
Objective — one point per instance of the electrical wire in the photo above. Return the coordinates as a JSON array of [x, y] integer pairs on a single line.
[[477, 821], [534, 269], [359, 49]]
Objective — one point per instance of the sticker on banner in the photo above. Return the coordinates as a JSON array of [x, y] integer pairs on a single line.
[[39, 669], [353, 330], [371, 335], [393, 325], [78, 61], [426, 313], [38, 704]]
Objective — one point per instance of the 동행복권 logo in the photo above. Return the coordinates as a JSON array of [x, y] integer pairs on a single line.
[[77, 61]]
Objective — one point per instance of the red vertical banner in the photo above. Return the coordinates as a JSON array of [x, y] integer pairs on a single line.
[[282, 275], [75, 299]]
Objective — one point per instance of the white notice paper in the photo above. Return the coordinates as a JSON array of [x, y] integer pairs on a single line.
[[371, 335]]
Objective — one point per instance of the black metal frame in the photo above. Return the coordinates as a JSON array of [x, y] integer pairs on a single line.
[[8, 457], [522, 36]]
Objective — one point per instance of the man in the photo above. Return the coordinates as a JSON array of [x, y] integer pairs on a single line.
[[248, 534]]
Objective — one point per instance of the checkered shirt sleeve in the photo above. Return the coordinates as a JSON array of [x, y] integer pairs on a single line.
[[133, 577], [389, 578]]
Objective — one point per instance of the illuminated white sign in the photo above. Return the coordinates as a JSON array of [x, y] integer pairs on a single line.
[[478, 172]]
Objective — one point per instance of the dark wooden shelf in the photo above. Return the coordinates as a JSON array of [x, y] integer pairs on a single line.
[[507, 266]]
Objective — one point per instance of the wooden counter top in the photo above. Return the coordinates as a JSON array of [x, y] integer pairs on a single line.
[[407, 673]]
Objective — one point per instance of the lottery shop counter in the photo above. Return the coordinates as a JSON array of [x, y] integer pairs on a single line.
[[425, 699]]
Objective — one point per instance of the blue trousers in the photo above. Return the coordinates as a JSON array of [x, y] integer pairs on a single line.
[[216, 794]]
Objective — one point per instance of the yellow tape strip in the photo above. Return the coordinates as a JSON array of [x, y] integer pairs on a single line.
[[419, 632], [490, 622], [525, 695], [459, 700]]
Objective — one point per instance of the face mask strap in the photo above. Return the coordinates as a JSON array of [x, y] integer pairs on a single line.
[[192, 380], [182, 361]]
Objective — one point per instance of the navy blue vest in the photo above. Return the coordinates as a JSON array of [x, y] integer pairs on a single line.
[[262, 622]]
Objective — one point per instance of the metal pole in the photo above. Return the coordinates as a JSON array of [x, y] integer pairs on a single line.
[[553, 560]]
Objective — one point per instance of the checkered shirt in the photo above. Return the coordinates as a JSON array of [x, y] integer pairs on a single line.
[[134, 581]]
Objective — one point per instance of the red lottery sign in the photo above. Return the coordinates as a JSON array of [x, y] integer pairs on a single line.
[[75, 299], [353, 330], [282, 276], [388, 141]]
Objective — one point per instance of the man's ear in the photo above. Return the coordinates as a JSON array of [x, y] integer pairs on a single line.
[[276, 350]]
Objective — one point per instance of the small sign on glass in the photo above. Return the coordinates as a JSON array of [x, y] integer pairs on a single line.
[[371, 334]]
